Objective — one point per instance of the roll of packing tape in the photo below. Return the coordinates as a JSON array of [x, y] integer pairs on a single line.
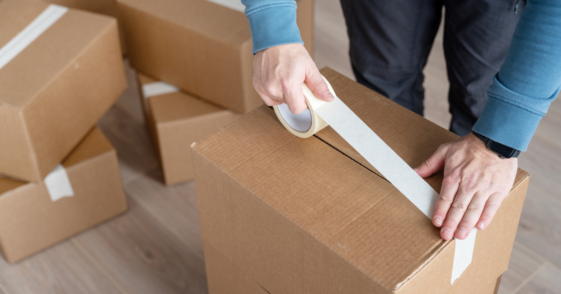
[[307, 123], [349, 126]]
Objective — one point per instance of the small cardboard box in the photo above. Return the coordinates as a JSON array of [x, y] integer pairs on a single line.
[[199, 46], [31, 221], [312, 216], [107, 7], [177, 120], [53, 91]]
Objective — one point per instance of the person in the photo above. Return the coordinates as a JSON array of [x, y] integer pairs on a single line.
[[504, 67]]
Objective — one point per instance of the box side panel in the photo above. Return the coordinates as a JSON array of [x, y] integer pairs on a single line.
[[30, 221], [206, 67], [16, 157], [305, 20], [265, 244], [225, 278], [60, 116], [493, 247], [175, 139], [253, 99]]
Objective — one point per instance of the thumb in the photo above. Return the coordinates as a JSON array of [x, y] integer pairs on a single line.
[[315, 82], [434, 163]]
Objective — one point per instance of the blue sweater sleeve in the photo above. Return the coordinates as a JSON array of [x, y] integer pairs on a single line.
[[529, 79], [272, 23]]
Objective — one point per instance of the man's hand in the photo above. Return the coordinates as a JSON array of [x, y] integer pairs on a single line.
[[278, 74], [475, 183]]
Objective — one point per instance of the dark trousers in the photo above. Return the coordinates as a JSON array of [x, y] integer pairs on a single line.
[[390, 41]]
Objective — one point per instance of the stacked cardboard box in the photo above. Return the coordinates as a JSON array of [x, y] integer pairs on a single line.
[[291, 215], [199, 46], [60, 71], [203, 49], [106, 7], [176, 120]]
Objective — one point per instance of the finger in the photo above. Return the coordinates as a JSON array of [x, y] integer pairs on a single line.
[[434, 163], [315, 82], [268, 100], [450, 186], [456, 212], [294, 97], [472, 215], [491, 207]]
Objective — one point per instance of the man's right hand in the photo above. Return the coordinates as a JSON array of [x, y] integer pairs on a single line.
[[278, 74]]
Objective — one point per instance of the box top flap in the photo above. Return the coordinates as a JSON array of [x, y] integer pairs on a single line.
[[93, 145], [205, 17], [28, 73], [322, 185]]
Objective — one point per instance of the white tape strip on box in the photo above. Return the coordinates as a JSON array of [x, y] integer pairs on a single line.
[[58, 184], [232, 4], [157, 89], [349, 126], [31, 32]]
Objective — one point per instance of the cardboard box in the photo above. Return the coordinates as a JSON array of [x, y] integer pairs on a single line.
[[199, 46], [312, 216], [30, 221], [225, 278], [177, 120], [106, 7], [54, 90]]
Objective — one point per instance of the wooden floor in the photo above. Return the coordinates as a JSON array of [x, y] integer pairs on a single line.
[[156, 246]]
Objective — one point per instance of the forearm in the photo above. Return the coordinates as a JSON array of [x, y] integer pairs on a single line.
[[529, 79], [272, 22]]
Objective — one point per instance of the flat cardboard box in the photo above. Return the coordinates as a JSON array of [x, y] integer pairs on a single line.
[[312, 216], [177, 120], [30, 221], [55, 89], [106, 7], [199, 46], [225, 278]]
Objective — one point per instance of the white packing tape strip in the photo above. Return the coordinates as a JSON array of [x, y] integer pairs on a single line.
[[157, 89], [232, 4], [58, 184], [349, 126], [31, 32]]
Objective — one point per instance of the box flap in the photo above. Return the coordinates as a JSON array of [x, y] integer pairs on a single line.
[[37, 65], [204, 17]]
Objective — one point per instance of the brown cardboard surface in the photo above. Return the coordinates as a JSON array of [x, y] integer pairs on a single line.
[[107, 7], [225, 278], [56, 89], [199, 46], [311, 212], [177, 120], [30, 221]]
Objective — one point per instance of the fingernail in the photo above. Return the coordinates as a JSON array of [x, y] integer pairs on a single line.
[[416, 169], [462, 232], [481, 225], [447, 233], [328, 95], [437, 220]]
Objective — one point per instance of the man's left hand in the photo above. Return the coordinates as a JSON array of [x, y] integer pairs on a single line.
[[476, 181]]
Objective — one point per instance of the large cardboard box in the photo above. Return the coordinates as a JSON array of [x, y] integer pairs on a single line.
[[107, 7], [312, 216], [31, 221], [199, 46], [176, 120], [53, 91]]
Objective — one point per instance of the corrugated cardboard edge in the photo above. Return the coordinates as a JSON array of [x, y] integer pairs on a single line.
[[447, 244]]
